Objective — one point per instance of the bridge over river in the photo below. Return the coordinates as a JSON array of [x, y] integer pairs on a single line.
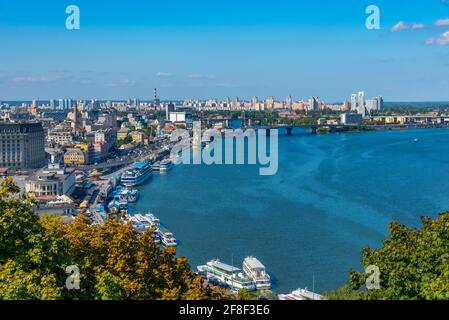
[[313, 128]]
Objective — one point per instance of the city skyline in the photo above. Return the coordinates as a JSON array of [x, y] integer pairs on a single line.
[[205, 50]]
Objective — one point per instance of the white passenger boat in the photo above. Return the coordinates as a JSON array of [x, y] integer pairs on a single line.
[[137, 175], [167, 238], [226, 275], [165, 165], [301, 294], [144, 223], [156, 166], [254, 269]]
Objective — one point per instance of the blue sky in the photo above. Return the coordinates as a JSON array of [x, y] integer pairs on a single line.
[[202, 49]]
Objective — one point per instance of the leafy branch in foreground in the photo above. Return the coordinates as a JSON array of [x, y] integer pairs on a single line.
[[115, 261], [413, 264]]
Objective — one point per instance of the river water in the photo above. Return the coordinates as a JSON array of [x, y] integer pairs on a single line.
[[332, 196]]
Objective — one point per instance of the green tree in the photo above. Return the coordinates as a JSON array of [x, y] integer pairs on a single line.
[[413, 264], [122, 142], [244, 294], [115, 261]]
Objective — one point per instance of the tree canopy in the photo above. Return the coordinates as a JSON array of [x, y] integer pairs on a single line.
[[114, 260], [413, 264]]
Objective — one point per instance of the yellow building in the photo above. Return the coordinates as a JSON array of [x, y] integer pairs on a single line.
[[84, 147], [137, 136], [298, 106], [75, 157]]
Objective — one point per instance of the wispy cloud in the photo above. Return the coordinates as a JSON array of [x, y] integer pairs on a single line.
[[442, 22], [23, 78], [162, 74], [34, 79], [443, 40], [417, 26], [201, 76], [401, 25]]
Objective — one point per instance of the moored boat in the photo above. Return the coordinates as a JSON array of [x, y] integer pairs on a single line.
[[226, 275], [167, 238], [137, 175], [166, 165], [301, 294], [254, 269]]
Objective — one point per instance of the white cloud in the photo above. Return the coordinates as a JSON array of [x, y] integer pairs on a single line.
[[401, 25], [33, 79], [442, 22], [162, 74], [200, 76], [417, 26], [443, 40]]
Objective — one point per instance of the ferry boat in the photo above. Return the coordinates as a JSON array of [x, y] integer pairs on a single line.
[[301, 294], [143, 223], [226, 275], [254, 269], [126, 194], [166, 165], [156, 166], [139, 174], [167, 238], [118, 206], [152, 219]]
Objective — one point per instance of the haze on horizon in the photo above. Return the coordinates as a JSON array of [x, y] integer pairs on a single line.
[[227, 49]]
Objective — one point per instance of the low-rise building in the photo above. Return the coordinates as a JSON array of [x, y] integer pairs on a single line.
[[53, 181], [123, 133], [137, 136], [76, 157], [351, 119]]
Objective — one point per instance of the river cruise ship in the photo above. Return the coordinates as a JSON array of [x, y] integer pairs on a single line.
[[165, 165], [226, 275], [167, 238], [137, 175], [254, 269]]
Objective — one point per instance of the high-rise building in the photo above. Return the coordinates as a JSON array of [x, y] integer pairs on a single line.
[[354, 102], [75, 118], [155, 99], [289, 102], [270, 103], [361, 102], [168, 109], [374, 104], [313, 103], [254, 103], [235, 104], [65, 104], [136, 103], [380, 103], [371, 105], [22, 145]]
